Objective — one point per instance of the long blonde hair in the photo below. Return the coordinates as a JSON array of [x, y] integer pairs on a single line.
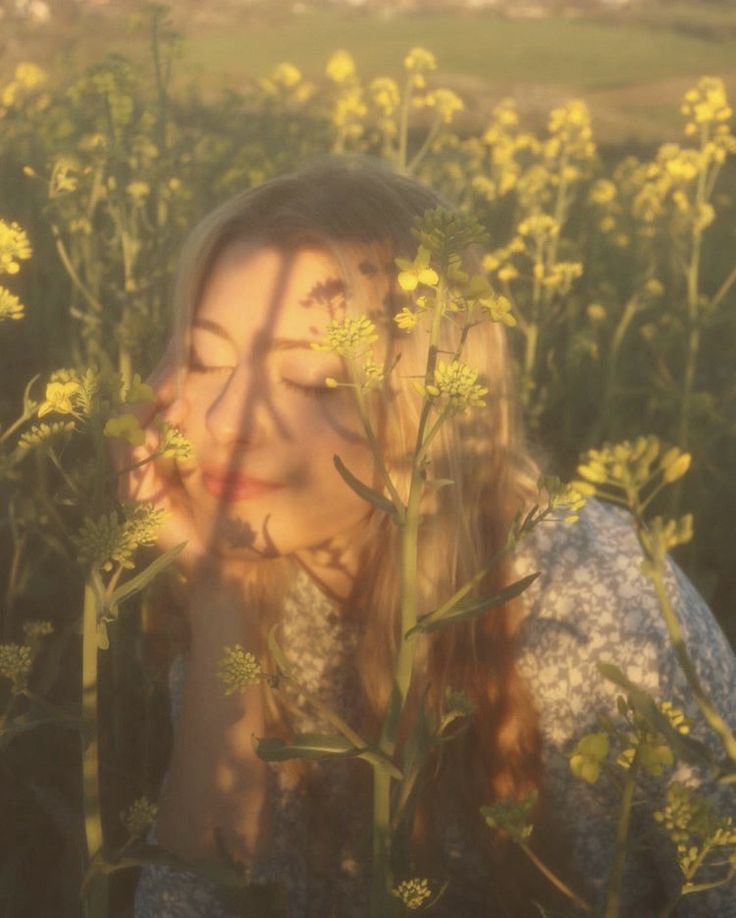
[[349, 206]]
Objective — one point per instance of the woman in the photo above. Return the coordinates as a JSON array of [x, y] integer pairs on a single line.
[[275, 535]]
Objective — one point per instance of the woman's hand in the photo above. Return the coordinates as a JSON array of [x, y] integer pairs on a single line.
[[147, 477]]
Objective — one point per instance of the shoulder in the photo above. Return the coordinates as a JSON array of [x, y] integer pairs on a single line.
[[591, 603]]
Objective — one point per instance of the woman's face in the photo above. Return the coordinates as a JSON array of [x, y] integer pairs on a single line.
[[263, 426]]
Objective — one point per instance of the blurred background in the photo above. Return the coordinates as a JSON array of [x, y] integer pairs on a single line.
[[630, 60]]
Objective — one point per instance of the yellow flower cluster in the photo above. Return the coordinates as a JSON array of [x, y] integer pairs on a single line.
[[456, 387], [417, 63], [559, 276], [41, 434], [695, 827], [15, 664], [139, 817], [539, 226], [499, 309], [106, 541], [126, 427], [631, 465], [384, 95], [571, 134], [350, 337], [37, 629], [238, 669], [10, 305], [444, 101], [27, 78], [707, 103], [340, 67], [173, 445], [286, 82], [413, 893], [14, 247], [561, 496], [589, 755]]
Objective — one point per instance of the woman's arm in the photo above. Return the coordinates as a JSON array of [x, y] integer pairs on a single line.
[[215, 777]]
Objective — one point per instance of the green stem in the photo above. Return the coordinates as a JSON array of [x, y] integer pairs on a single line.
[[381, 900], [723, 289], [404, 125], [714, 719], [693, 318], [96, 898], [71, 271], [26, 416], [6, 713], [612, 365], [381, 881], [62, 471], [428, 140], [553, 879], [375, 449], [613, 899]]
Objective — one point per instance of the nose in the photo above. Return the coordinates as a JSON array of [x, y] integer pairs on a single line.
[[237, 413]]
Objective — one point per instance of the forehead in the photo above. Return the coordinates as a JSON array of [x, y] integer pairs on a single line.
[[280, 293]]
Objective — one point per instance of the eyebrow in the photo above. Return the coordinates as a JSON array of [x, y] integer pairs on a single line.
[[274, 344]]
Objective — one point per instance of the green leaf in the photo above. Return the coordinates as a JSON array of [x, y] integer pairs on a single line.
[[40, 712], [276, 652], [103, 640], [304, 746], [362, 490], [684, 747], [379, 761], [320, 746], [137, 583], [472, 608]]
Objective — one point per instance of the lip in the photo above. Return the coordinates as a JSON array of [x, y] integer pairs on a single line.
[[224, 484]]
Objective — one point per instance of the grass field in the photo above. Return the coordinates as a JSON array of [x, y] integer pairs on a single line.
[[631, 71]]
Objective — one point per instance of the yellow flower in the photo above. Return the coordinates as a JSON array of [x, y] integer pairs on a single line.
[[127, 427], [602, 192], [455, 385], [29, 75], [499, 309], [350, 337], [139, 392], [420, 60], [60, 398], [446, 103], [413, 893], [37, 629], [507, 273], [14, 247], [139, 817], [138, 190], [384, 93], [406, 319], [10, 306], [238, 669], [589, 755], [539, 225], [340, 67], [417, 272], [15, 663]]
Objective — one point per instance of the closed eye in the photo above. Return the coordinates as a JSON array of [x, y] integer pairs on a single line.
[[196, 366]]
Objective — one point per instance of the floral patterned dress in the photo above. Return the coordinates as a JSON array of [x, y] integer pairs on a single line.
[[590, 604]]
